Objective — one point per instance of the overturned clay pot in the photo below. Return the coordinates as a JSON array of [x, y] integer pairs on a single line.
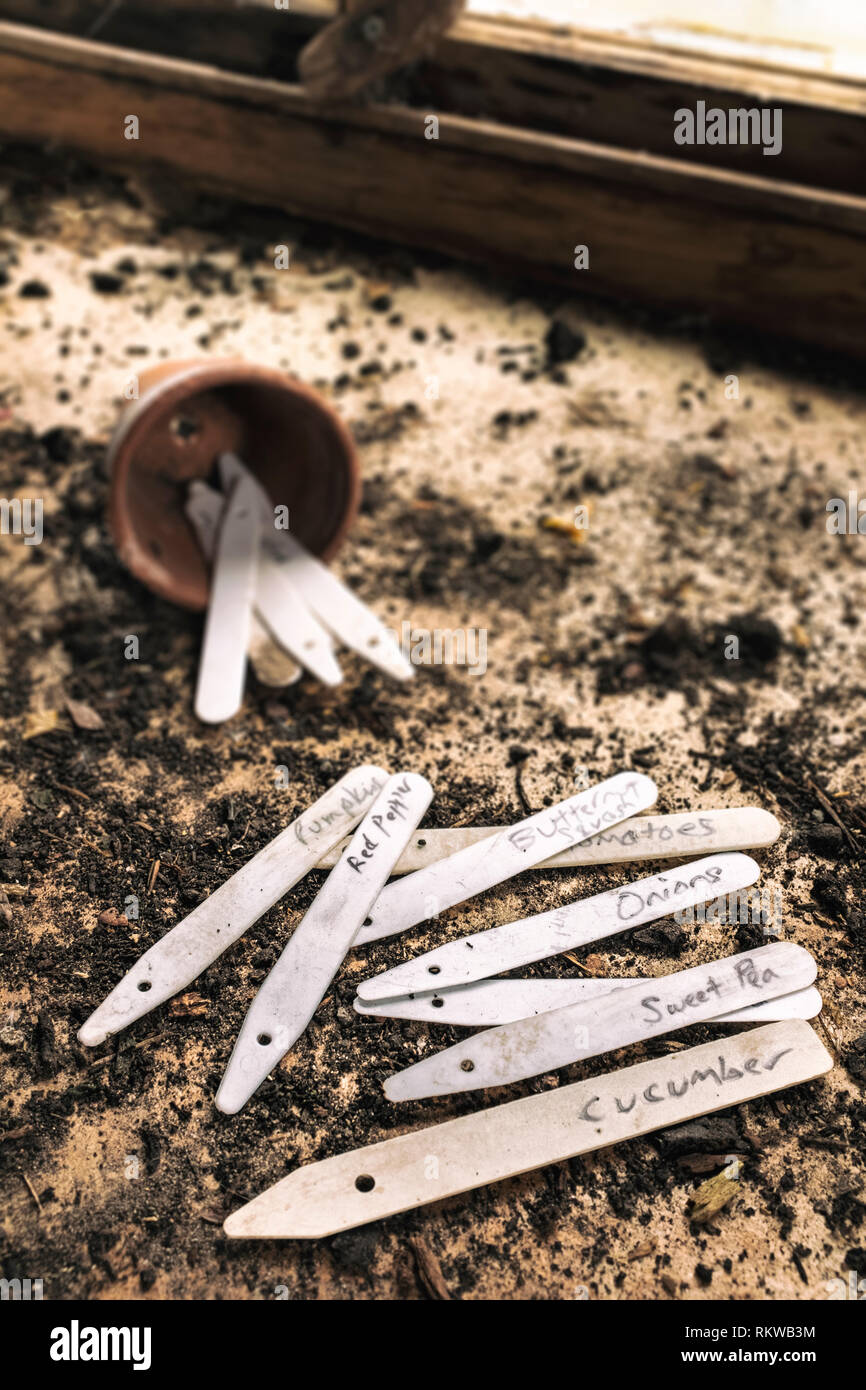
[[187, 414]]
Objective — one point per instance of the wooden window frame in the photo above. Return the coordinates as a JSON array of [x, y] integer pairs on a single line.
[[549, 138]]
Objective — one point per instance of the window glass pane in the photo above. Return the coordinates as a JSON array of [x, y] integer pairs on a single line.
[[817, 35]]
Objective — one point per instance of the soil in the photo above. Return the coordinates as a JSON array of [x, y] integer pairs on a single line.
[[483, 411]]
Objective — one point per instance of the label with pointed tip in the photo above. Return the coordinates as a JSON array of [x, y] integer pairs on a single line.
[[299, 980], [488, 1003], [350, 620], [503, 1141], [477, 867], [490, 952], [223, 663], [280, 603], [678, 836], [548, 1041], [191, 946]]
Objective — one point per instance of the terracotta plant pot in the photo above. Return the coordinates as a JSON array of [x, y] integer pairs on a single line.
[[187, 414]]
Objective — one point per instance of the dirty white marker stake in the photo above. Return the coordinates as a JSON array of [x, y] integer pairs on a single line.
[[273, 666], [505, 1140], [490, 952], [572, 1034], [350, 620], [488, 1003], [298, 982], [290, 621], [676, 836], [191, 946], [223, 665], [488, 862], [277, 602]]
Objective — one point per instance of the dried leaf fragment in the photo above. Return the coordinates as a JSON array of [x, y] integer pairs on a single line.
[[576, 534], [214, 1216], [712, 1197], [82, 716], [190, 1005], [641, 1250], [112, 918], [40, 721], [429, 1269]]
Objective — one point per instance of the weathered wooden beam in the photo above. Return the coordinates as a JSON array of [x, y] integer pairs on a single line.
[[624, 94], [523, 73], [660, 231]]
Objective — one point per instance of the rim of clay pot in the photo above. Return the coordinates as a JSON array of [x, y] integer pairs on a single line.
[[163, 390]]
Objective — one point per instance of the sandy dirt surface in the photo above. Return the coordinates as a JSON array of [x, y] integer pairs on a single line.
[[482, 410]]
